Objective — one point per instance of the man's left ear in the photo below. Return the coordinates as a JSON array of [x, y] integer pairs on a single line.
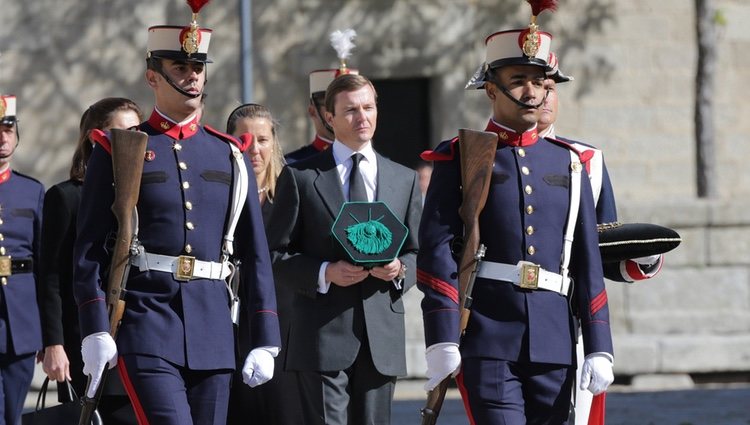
[[489, 88], [151, 77]]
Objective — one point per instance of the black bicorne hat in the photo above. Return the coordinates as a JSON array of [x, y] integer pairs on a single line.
[[618, 242]]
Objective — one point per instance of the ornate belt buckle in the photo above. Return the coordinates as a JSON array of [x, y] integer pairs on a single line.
[[185, 267], [529, 276], [5, 265]]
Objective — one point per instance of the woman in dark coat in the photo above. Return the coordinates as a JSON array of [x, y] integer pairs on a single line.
[[277, 401], [61, 358]]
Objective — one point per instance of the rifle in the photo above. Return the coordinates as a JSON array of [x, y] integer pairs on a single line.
[[477, 158], [128, 151]]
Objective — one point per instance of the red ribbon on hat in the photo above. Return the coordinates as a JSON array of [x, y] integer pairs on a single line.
[[539, 6], [197, 5]]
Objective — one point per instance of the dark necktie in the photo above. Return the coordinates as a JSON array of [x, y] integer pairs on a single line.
[[357, 192]]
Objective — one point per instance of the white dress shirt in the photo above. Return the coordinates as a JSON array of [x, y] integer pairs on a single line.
[[368, 167]]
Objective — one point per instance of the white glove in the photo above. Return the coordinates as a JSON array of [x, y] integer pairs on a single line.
[[258, 367], [443, 359], [648, 260], [98, 350], [596, 374]]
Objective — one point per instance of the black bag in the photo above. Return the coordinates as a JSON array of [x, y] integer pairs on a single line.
[[66, 413]]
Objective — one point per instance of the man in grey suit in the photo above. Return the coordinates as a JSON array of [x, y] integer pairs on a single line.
[[347, 336]]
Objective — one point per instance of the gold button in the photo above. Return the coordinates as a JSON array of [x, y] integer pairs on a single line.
[[189, 225], [2, 250], [1, 221], [529, 209], [4, 281], [2, 238], [182, 165], [525, 170], [188, 205], [521, 152], [528, 189], [177, 147], [531, 250], [530, 230], [186, 185], [188, 249]]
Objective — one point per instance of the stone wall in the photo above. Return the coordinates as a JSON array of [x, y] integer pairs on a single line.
[[634, 63]]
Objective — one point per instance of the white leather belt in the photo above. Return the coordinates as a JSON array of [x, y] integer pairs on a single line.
[[525, 274], [183, 267]]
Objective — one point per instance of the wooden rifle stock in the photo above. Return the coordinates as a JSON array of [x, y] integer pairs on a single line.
[[128, 151], [477, 150]]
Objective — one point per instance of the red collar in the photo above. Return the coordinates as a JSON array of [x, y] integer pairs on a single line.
[[5, 175], [509, 137], [176, 131], [320, 144]]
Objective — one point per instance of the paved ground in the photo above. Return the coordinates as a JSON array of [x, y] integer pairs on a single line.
[[704, 405], [725, 405]]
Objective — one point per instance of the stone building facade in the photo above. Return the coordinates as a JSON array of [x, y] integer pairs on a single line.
[[634, 64]]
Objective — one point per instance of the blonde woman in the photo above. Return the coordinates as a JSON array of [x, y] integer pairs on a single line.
[[264, 152], [277, 401]]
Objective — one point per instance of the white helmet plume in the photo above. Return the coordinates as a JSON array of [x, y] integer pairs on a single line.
[[342, 43]]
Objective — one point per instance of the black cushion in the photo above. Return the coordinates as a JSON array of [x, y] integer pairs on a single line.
[[623, 241]]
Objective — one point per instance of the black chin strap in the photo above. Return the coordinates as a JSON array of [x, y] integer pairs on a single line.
[[161, 72], [506, 92], [322, 120]]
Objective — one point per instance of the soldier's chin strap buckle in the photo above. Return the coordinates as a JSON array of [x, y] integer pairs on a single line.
[[529, 276]]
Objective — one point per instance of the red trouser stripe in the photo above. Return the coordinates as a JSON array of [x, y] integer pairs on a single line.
[[464, 396], [140, 415]]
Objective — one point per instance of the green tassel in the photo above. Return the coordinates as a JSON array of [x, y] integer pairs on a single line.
[[370, 237]]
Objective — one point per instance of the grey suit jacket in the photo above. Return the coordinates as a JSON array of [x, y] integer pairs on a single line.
[[328, 329]]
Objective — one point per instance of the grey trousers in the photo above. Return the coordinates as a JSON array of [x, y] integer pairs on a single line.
[[358, 395]]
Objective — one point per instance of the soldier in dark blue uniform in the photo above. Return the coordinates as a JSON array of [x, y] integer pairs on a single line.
[[517, 357], [629, 270], [21, 200], [176, 344]]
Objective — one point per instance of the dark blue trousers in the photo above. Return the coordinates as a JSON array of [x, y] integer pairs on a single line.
[[16, 373], [500, 392], [165, 394]]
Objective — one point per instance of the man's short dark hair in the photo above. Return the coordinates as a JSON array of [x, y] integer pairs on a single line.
[[346, 83], [153, 63]]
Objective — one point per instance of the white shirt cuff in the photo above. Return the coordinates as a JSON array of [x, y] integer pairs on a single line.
[[323, 286], [398, 283]]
